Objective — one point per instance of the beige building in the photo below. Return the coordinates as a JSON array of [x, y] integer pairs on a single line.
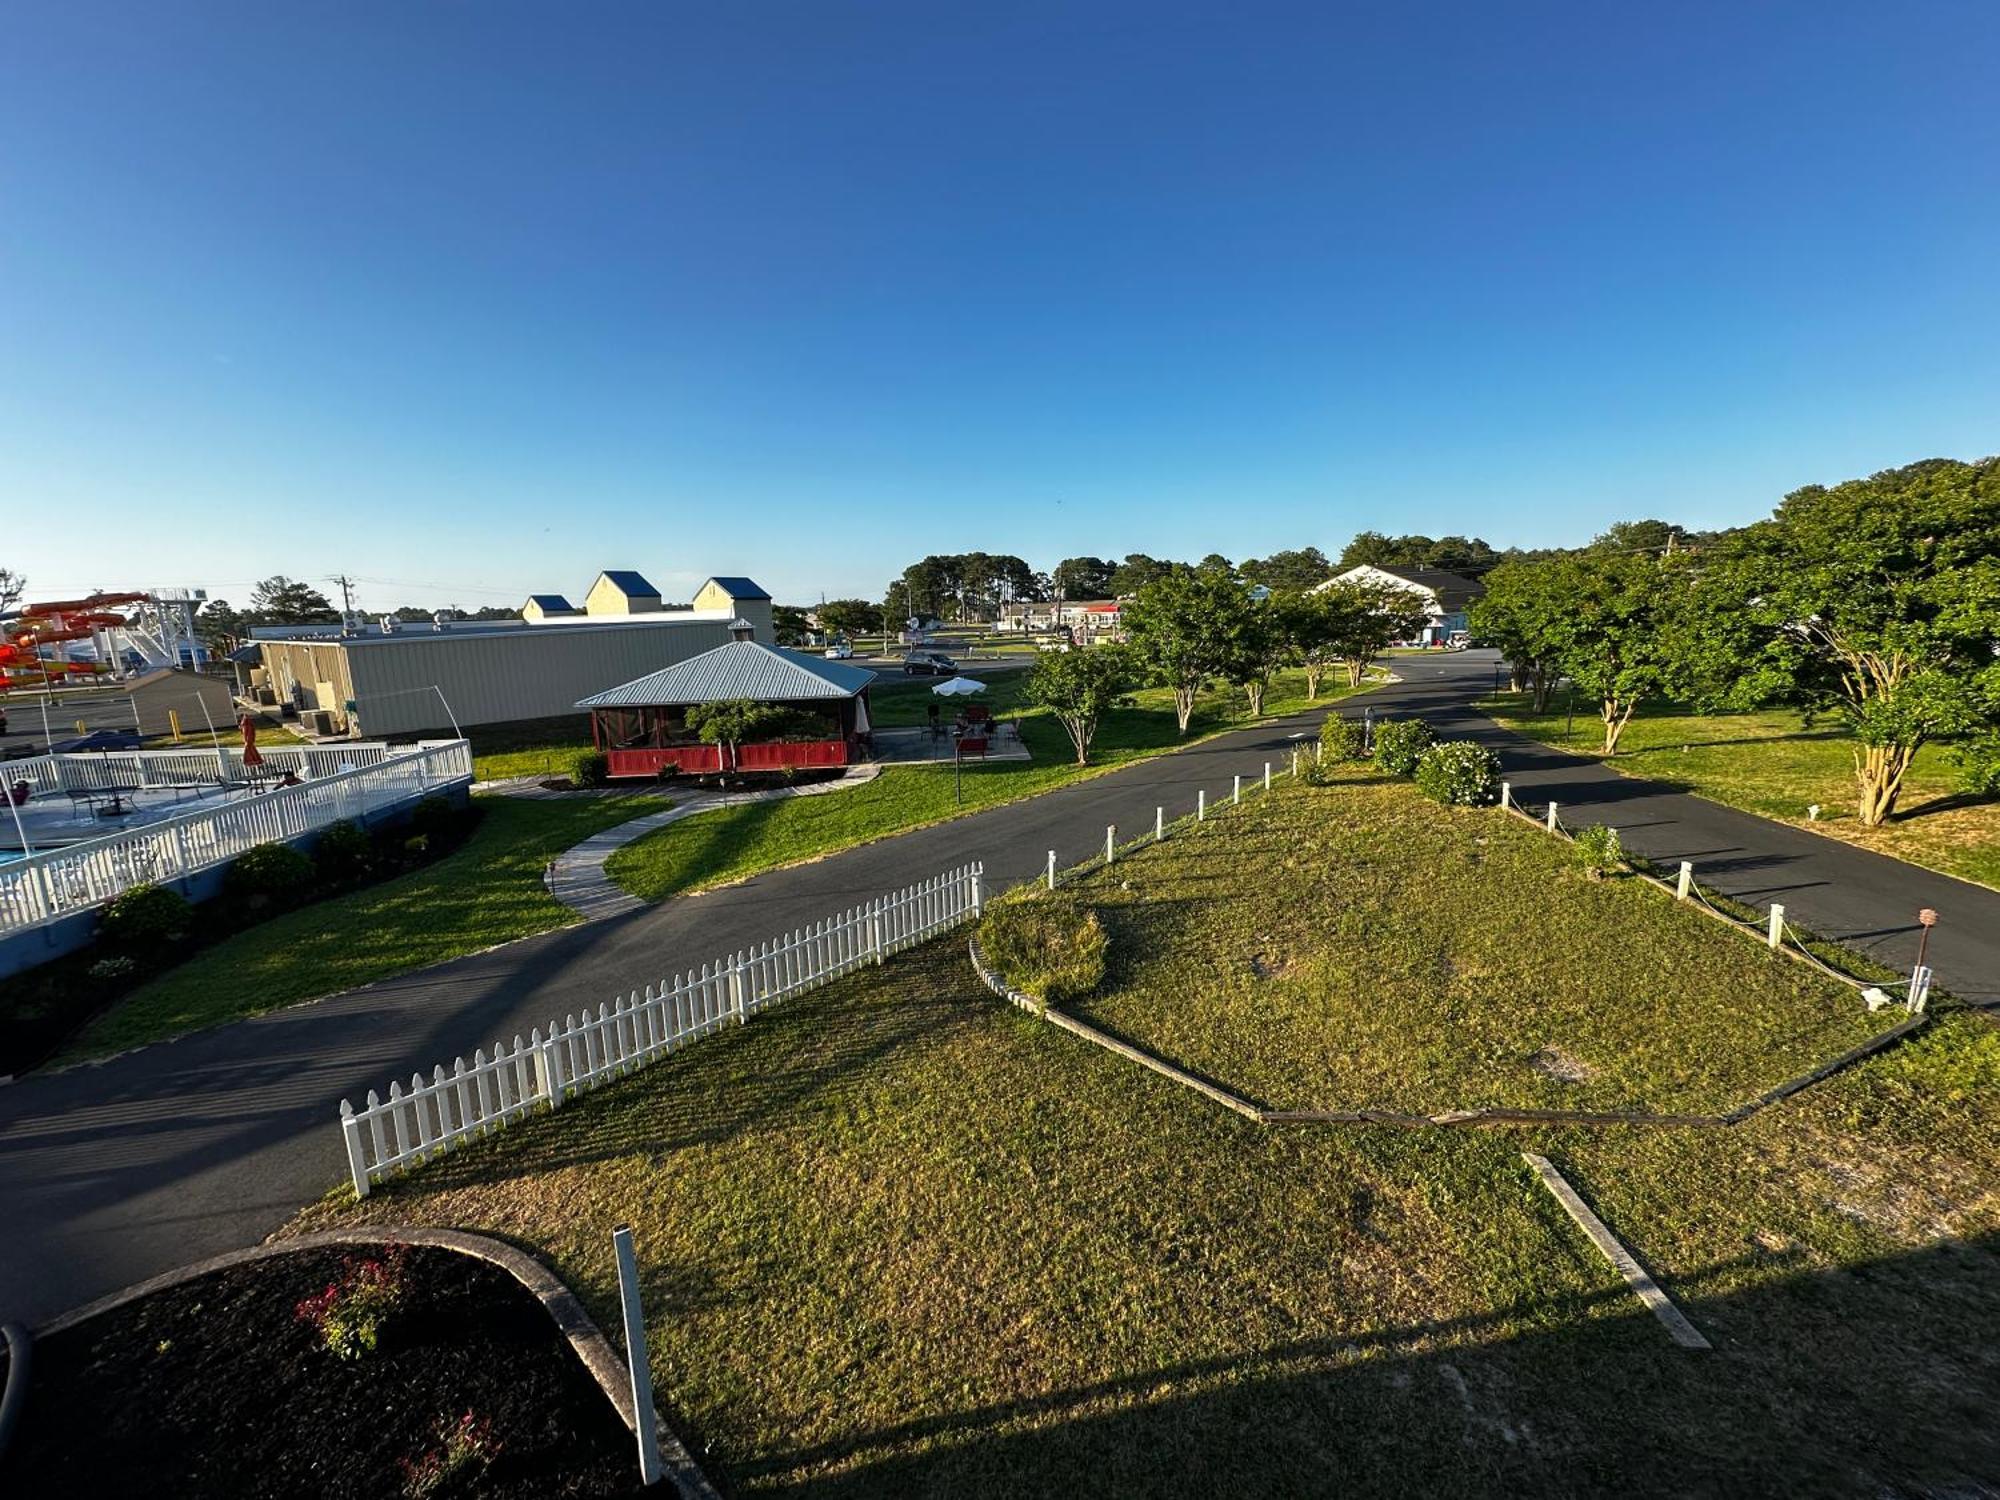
[[389, 678]]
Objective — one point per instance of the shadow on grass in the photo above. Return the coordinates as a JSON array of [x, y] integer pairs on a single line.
[[1789, 1402]]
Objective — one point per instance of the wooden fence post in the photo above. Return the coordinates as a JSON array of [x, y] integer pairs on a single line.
[[1686, 882], [1551, 824], [978, 895], [736, 989], [1776, 936], [875, 930], [1506, 797]]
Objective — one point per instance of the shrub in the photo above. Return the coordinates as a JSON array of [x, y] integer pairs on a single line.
[[1050, 945], [464, 1448], [344, 851], [268, 875], [590, 768], [1460, 773], [1598, 851], [436, 820], [1341, 739], [113, 969], [348, 1315], [144, 918], [1401, 743]]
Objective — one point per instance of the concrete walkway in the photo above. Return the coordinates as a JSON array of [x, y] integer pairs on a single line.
[[117, 1171], [577, 878]]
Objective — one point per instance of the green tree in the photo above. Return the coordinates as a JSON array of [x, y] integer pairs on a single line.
[[1257, 646], [849, 617], [733, 721], [1525, 614], [1367, 617], [1878, 601], [220, 627], [1312, 626], [1136, 572], [12, 586], [1289, 572], [1078, 687], [1183, 628], [279, 600], [1082, 578], [788, 624], [1621, 639]]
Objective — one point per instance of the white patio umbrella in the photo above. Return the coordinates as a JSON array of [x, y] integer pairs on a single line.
[[959, 687]]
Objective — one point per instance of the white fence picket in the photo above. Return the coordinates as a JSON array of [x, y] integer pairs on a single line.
[[636, 1028]]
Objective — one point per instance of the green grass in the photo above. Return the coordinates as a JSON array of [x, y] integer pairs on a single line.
[[490, 891], [1775, 765], [731, 843], [1355, 946], [899, 1239]]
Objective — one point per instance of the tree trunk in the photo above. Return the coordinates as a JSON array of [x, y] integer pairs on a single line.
[[1254, 691], [1543, 685], [1314, 672], [1616, 716], [1356, 665], [1879, 769], [1183, 706]]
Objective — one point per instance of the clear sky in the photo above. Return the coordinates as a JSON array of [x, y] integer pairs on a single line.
[[476, 298]]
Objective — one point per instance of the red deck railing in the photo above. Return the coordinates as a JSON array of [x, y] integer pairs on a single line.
[[695, 759]]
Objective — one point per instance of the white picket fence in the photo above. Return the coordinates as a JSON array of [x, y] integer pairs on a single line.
[[450, 1108], [75, 877]]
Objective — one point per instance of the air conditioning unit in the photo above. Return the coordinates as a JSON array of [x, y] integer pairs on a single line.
[[443, 618], [390, 624], [354, 622]]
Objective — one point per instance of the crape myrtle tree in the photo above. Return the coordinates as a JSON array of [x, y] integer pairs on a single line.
[[1621, 639], [1525, 614], [1257, 647], [1183, 628], [1877, 601], [1370, 616], [733, 721], [1078, 687], [1313, 627]]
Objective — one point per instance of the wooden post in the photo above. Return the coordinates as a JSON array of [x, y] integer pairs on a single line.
[[1685, 885], [1052, 869], [978, 892], [643, 1420], [1506, 797], [1201, 804], [1319, 753], [1159, 824], [1552, 818], [357, 1161], [1777, 932], [1267, 776], [875, 930], [1110, 842], [1236, 795]]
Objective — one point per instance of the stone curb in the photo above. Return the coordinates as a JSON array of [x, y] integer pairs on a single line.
[[575, 1325]]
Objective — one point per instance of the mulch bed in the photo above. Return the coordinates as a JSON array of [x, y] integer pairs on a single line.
[[216, 1388]]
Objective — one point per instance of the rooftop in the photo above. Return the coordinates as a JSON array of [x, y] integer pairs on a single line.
[[629, 582], [739, 588], [741, 669]]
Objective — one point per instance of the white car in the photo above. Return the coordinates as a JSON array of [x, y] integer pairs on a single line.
[[839, 651]]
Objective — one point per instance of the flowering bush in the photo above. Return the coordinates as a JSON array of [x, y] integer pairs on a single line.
[[1401, 743], [350, 1312], [1598, 851], [464, 1447], [1460, 773]]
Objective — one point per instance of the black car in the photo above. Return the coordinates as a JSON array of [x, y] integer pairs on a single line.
[[929, 664]]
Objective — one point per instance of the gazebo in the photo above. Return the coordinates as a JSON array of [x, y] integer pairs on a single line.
[[641, 726]]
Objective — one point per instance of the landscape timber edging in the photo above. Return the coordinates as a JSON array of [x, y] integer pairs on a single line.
[[1484, 1118], [561, 1304]]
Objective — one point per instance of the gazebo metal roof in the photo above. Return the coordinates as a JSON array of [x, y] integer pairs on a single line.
[[741, 669]]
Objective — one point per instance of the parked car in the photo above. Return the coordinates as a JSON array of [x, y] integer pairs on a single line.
[[929, 664], [1458, 640], [839, 651]]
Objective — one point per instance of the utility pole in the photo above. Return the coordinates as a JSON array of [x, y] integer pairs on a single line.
[[346, 593]]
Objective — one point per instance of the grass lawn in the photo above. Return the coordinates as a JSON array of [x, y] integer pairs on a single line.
[[490, 891], [731, 843], [899, 1239], [1356, 946], [1772, 764]]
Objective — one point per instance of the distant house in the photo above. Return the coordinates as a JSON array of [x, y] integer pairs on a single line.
[[642, 725], [1446, 596], [620, 591], [548, 607]]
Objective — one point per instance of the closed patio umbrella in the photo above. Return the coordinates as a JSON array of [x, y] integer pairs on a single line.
[[959, 687], [252, 756]]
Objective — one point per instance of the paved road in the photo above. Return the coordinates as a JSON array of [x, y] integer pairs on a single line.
[[115, 1172]]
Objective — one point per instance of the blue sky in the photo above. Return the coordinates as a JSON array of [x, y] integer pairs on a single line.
[[478, 298]]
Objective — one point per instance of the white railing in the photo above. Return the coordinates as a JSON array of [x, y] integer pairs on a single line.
[[52, 775], [436, 1116], [45, 886]]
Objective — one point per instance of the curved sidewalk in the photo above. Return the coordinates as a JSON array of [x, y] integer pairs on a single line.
[[577, 876]]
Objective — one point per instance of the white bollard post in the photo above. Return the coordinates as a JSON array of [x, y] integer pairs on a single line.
[[1295, 762], [1920, 989], [1777, 932], [1159, 824], [1237, 794], [978, 890], [1506, 797], [1267, 776], [1110, 842], [1552, 818], [1052, 869], [1201, 804], [1686, 883], [643, 1419], [1319, 753]]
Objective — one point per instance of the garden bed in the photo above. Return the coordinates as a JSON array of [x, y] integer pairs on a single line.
[[218, 1387]]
